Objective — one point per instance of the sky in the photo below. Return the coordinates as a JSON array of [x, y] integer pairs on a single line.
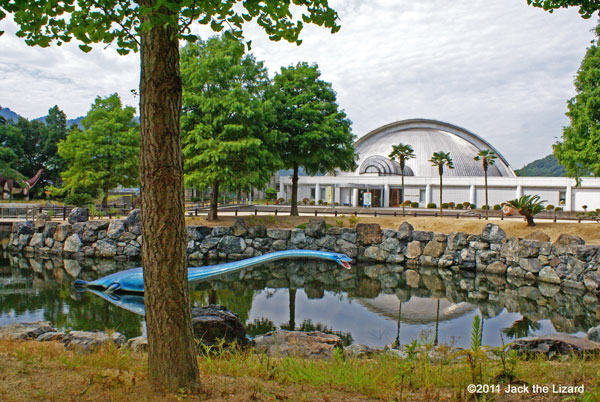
[[499, 68]]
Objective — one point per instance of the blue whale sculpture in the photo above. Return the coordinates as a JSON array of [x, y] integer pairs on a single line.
[[132, 280]]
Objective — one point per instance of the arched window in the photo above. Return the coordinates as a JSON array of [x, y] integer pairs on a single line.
[[383, 166]]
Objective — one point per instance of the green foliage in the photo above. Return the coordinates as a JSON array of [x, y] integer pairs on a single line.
[[549, 207], [106, 153], [587, 8], [431, 205], [353, 220], [270, 193], [487, 158], [441, 160], [578, 151], [305, 201], [315, 132], [547, 166], [528, 206], [414, 204], [485, 207], [10, 140], [445, 205], [78, 199], [459, 206], [225, 139], [402, 153], [497, 207]]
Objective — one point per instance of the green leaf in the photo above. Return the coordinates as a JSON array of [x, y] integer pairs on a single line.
[[85, 48]]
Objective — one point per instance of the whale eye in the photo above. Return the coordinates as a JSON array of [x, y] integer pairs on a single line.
[[113, 287]]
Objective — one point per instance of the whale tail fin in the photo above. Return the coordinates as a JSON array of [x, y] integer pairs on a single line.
[[80, 283]]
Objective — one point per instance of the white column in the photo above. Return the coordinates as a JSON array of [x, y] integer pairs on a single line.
[[473, 195], [317, 193], [355, 197], [281, 188], [519, 192], [337, 195], [386, 196], [569, 199], [428, 194]]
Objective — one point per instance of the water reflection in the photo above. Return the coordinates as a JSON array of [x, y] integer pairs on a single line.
[[372, 304]]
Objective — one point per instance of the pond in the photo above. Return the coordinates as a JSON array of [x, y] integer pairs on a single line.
[[374, 305]]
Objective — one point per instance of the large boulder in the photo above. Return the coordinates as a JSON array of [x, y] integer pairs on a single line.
[[556, 344], [214, 324], [282, 343], [538, 235], [231, 245], [413, 249], [78, 215], [368, 233], [134, 217], [405, 231], [316, 228], [115, 229], [72, 244], [239, 227], [492, 233], [26, 330], [87, 341], [105, 248]]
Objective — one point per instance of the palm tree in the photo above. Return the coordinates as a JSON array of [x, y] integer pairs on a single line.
[[402, 152], [487, 158], [528, 206], [441, 159]]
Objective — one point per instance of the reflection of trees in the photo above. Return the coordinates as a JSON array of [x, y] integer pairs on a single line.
[[521, 328], [238, 301], [58, 306], [259, 326], [308, 326]]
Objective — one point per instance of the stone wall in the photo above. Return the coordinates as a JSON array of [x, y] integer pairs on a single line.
[[567, 262]]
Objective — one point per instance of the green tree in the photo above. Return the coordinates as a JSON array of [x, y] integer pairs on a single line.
[[225, 140], [54, 164], [316, 133], [487, 158], [580, 146], [527, 206], [441, 160], [402, 152], [10, 139], [105, 154], [155, 27]]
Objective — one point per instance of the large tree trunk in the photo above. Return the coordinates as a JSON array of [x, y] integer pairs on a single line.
[[441, 189], [105, 199], [529, 219], [214, 202], [294, 209], [172, 360], [486, 197]]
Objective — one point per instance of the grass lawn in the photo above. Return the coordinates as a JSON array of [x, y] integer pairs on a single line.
[[45, 371]]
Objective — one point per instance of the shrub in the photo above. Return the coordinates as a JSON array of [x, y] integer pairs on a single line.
[[78, 199], [485, 207], [414, 204], [549, 207], [459, 206], [289, 201], [325, 203], [472, 206], [280, 200], [558, 209], [339, 223], [312, 202], [337, 204], [431, 205], [466, 205], [585, 207], [444, 205], [353, 220], [497, 207], [305, 201], [451, 205], [320, 202], [408, 203], [270, 193], [528, 206]]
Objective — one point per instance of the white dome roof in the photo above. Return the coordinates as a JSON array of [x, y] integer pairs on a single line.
[[427, 137]]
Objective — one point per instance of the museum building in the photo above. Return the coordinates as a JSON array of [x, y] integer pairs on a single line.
[[380, 177]]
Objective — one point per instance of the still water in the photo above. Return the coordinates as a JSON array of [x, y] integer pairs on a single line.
[[371, 304]]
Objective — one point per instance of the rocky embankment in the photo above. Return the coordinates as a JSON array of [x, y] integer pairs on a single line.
[[567, 262]]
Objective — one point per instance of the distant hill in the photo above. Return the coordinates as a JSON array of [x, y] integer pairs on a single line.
[[547, 166], [9, 114]]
